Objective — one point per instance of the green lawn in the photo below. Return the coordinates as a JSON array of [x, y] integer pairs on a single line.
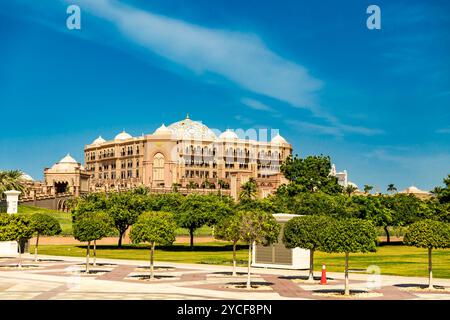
[[392, 259], [64, 218], [207, 253]]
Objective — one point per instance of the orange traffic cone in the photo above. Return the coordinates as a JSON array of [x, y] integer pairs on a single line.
[[323, 279]]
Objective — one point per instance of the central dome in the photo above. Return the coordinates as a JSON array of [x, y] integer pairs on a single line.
[[189, 129]]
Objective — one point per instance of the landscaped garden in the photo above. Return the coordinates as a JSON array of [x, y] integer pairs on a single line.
[[340, 228], [392, 259]]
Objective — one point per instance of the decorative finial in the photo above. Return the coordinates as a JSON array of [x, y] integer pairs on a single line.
[[187, 116]]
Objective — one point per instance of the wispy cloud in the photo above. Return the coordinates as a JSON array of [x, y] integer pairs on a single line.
[[255, 104], [443, 130], [337, 129], [242, 58]]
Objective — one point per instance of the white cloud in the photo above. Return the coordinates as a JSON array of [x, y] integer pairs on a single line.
[[240, 57], [443, 130], [255, 104], [336, 129]]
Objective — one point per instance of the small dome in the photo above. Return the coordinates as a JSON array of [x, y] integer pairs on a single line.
[[123, 136], [188, 129], [68, 159], [228, 134], [162, 130], [278, 139], [26, 177], [98, 141], [414, 190], [65, 164]]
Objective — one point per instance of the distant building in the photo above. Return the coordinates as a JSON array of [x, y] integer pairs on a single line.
[[186, 154], [416, 191], [66, 176], [342, 177]]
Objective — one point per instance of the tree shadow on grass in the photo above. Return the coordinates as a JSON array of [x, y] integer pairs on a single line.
[[174, 248]]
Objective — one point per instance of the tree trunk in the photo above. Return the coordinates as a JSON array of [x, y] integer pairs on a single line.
[[36, 248], [430, 270], [191, 234], [347, 289], [95, 253], [388, 237], [249, 265], [152, 254], [119, 244], [19, 265], [234, 258], [87, 256], [311, 265]]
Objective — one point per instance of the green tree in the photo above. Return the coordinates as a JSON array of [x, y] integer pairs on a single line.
[[443, 193], [350, 189], [192, 185], [92, 226], [350, 236], [198, 210], [430, 235], [376, 209], [11, 180], [391, 188], [44, 225], [223, 184], [228, 229], [407, 209], [156, 228], [19, 228], [249, 190], [307, 232], [309, 175], [169, 202], [319, 203], [124, 208], [257, 227], [367, 188]]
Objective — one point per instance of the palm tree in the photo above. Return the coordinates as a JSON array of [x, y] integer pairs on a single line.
[[248, 190], [192, 185], [391, 188], [11, 180], [367, 188], [350, 189]]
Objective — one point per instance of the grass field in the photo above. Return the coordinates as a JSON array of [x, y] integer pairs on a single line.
[[206, 253], [391, 259], [65, 220]]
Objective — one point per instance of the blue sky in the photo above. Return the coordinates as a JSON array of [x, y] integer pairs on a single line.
[[376, 101]]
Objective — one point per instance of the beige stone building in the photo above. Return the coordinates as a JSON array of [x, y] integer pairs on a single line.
[[186, 154], [66, 176]]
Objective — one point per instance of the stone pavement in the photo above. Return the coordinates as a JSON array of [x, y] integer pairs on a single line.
[[60, 278]]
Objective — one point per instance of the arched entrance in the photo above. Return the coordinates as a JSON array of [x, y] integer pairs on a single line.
[[61, 187], [158, 170]]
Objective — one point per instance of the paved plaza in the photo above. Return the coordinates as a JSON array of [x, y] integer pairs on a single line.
[[56, 278]]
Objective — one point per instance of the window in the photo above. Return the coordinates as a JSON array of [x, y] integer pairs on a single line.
[[158, 167]]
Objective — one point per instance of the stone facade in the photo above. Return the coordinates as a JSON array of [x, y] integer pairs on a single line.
[[185, 154]]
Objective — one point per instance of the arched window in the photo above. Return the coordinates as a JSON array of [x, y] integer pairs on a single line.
[[158, 167]]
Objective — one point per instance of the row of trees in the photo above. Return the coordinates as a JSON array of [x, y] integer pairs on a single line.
[[350, 235], [20, 228]]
